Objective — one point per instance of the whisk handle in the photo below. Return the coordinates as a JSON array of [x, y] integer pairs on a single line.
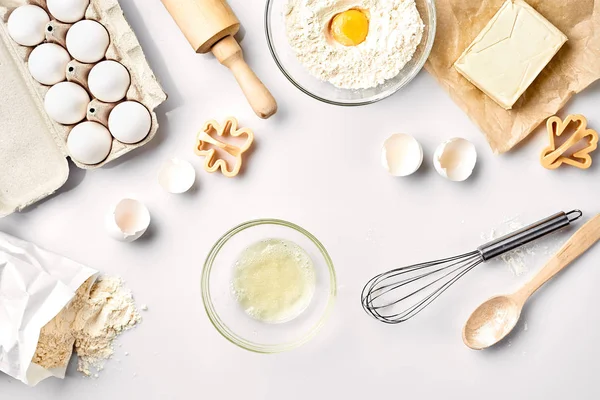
[[528, 234]]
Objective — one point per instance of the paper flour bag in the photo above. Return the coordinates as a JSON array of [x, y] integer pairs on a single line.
[[35, 285]]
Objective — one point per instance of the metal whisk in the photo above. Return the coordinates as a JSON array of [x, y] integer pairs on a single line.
[[400, 294]]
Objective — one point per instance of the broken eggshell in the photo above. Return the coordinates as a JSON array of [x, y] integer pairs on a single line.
[[401, 154], [455, 159], [176, 176], [128, 220]]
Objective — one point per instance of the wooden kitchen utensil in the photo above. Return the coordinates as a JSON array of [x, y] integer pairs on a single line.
[[209, 25], [497, 317]]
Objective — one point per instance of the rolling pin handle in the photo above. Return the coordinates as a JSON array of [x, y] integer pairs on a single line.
[[229, 53]]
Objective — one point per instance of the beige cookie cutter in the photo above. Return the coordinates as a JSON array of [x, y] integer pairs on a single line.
[[206, 139], [553, 157]]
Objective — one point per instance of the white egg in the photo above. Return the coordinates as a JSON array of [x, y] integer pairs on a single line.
[[89, 143], [66, 103], [176, 176], [48, 63], [27, 25], [455, 159], [68, 11], [87, 41], [401, 154], [129, 122], [127, 220], [108, 81]]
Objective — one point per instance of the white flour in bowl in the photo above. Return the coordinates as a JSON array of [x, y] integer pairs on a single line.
[[395, 31]]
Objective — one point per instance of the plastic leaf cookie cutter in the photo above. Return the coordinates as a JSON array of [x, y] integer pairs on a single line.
[[214, 143], [553, 157]]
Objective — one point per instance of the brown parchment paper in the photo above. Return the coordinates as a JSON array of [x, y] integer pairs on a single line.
[[575, 67]]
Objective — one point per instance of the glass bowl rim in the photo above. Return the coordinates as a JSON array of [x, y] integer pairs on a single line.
[[432, 23], [223, 329]]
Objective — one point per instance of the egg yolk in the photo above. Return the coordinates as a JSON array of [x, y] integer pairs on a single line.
[[350, 28]]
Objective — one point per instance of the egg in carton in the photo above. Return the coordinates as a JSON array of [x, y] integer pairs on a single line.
[[24, 113]]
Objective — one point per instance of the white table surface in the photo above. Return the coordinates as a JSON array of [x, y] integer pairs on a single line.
[[318, 166]]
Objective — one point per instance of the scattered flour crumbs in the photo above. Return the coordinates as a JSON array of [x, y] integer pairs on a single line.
[[518, 259], [100, 311]]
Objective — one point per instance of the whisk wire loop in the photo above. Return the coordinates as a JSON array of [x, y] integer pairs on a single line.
[[405, 301]]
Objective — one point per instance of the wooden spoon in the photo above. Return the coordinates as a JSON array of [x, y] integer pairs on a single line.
[[495, 318]]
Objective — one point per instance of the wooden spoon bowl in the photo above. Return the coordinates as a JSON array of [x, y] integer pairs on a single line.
[[491, 322]]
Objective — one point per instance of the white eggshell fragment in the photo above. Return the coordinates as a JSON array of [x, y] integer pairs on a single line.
[[128, 220], [455, 159], [66, 103], [68, 11], [48, 63], [89, 143], [401, 154], [87, 41], [176, 176], [108, 81], [129, 122], [27, 25]]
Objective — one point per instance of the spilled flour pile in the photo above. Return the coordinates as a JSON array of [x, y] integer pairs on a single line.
[[100, 312]]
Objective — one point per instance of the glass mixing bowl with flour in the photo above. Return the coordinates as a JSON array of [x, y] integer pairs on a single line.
[[350, 52]]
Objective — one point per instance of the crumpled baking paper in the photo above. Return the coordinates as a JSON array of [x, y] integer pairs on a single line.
[[575, 67], [35, 285]]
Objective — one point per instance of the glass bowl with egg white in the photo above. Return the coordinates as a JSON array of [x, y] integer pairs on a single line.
[[350, 52], [268, 285]]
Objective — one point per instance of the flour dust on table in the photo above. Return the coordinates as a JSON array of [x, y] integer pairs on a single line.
[[355, 44], [518, 259]]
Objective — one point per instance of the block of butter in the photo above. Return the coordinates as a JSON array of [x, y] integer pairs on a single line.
[[510, 52]]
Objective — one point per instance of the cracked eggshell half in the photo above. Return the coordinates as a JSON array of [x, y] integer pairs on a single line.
[[127, 220], [176, 176], [455, 159], [401, 154]]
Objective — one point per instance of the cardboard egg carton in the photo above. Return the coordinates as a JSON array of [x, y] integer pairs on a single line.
[[33, 148]]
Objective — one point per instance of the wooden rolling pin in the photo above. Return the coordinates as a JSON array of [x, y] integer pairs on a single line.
[[209, 25]]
